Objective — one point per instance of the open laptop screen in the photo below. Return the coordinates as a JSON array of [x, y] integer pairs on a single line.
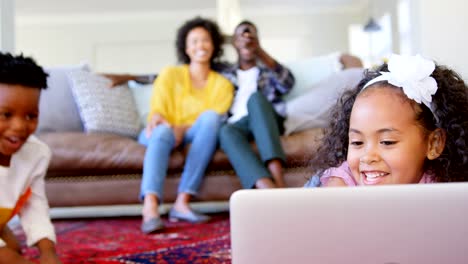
[[402, 224]]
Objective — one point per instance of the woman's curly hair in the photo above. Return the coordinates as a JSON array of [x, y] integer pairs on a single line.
[[207, 24], [450, 105], [21, 70]]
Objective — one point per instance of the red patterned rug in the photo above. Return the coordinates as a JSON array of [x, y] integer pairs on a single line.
[[119, 240]]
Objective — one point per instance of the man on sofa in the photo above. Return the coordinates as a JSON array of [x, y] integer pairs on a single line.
[[257, 112]]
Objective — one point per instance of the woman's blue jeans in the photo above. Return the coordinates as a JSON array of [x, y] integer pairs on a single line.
[[203, 136]]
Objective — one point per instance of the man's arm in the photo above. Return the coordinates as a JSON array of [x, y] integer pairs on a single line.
[[266, 58], [283, 78], [118, 79]]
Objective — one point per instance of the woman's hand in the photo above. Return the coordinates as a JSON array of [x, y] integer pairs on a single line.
[[156, 120]]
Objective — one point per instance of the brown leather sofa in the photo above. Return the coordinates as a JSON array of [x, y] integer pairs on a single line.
[[105, 169]]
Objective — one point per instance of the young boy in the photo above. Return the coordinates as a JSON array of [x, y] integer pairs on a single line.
[[23, 161]]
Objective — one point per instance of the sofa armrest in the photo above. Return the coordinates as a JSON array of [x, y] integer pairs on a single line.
[[350, 61]]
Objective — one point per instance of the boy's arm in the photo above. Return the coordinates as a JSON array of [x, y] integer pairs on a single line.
[[34, 216], [48, 254], [8, 256], [9, 248]]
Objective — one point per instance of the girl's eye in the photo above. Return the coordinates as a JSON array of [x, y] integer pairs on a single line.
[[356, 143], [388, 142]]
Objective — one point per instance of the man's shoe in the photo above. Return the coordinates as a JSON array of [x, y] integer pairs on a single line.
[[152, 225], [191, 216]]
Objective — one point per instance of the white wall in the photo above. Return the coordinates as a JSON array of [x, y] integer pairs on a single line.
[[138, 43], [7, 25], [144, 42], [441, 32], [293, 35]]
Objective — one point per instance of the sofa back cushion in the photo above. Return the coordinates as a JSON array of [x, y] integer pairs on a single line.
[[309, 71], [142, 95], [313, 108], [57, 107]]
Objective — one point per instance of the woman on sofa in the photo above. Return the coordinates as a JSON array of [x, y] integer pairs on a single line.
[[187, 104]]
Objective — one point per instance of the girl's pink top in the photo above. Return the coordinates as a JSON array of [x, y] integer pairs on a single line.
[[344, 172]]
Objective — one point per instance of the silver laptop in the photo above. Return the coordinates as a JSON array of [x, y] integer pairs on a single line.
[[404, 224]]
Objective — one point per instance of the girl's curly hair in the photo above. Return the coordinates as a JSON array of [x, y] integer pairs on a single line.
[[450, 105], [207, 24]]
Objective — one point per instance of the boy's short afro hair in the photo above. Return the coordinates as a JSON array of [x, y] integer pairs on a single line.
[[21, 70]]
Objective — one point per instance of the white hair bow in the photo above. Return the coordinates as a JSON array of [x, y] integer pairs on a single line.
[[412, 74]]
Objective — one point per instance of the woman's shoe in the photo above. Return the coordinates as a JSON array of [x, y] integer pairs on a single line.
[[191, 216], [152, 225]]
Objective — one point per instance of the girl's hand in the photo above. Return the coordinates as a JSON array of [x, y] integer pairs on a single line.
[[156, 120]]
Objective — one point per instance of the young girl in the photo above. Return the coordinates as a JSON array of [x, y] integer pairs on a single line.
[[404, 123]]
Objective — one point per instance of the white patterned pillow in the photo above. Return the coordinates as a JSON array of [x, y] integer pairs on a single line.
[[104, 109]]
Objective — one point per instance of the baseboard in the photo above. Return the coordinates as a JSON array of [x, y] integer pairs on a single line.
[[128, 210]]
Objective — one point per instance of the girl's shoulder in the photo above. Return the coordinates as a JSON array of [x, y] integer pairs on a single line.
[[343, 172]]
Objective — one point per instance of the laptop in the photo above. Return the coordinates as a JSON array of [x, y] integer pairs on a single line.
[[403, 224]]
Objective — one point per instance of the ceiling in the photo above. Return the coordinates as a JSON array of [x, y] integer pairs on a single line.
[[42, 7]]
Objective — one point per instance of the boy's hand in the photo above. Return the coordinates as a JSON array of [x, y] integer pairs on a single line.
[[8, 256], [48, 254], [49, 258]]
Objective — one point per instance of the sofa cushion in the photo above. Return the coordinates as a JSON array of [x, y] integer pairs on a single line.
[[313, 108], [63, 116], [102, 108], [309, 71], [141, 94], [80, 154], [92, 153]]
